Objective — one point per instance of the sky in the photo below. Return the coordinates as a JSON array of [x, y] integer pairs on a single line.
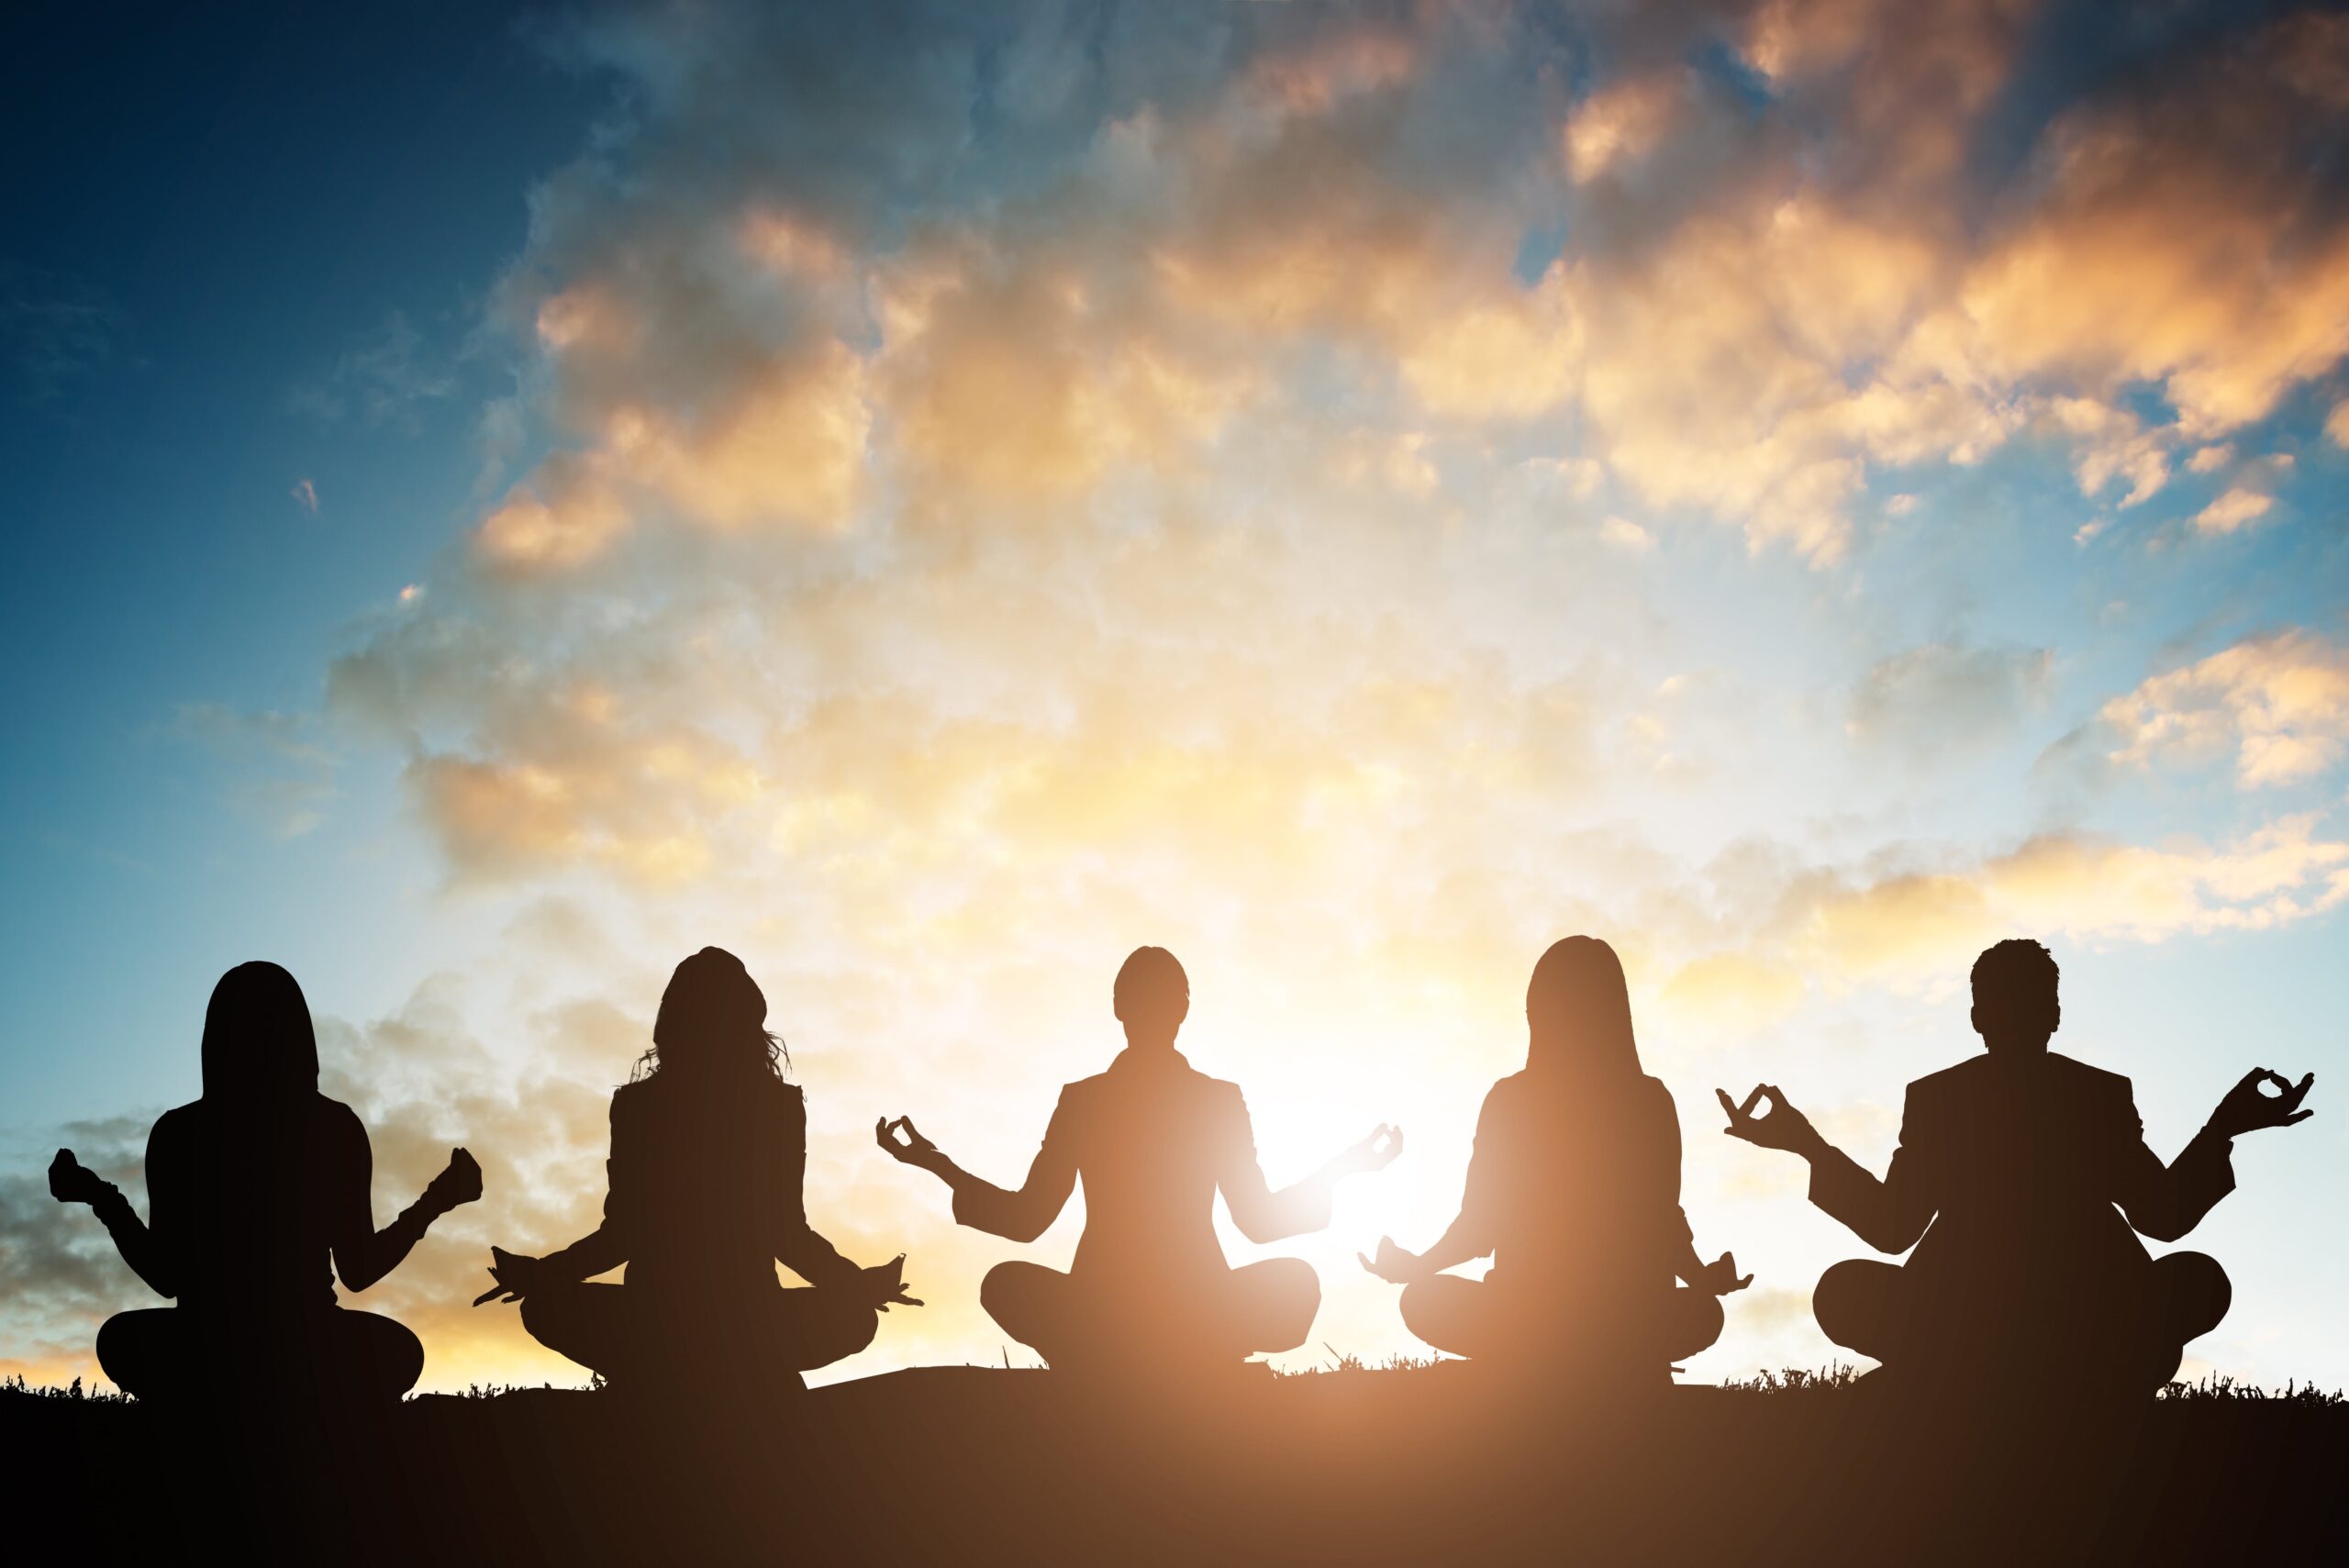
[[931, 497]]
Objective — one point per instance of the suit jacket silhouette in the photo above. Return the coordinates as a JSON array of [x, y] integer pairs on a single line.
[[1154, 1140], [2017, 1164], [704, 1191]]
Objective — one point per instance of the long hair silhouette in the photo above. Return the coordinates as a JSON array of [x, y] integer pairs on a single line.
[[1574, 1190], [1579, 1010], [261, 1050], [712, 1023], [708, 1157]]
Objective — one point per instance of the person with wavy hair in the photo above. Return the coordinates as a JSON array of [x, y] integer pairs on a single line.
[[709, 1154], [258, 1197], [1574, 1191]]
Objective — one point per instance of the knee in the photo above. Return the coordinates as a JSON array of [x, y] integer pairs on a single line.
[[1296, 1291], [2198, 1290], [1843, 1301], [1000, 1291], [395, 1356], [1295, 1284], [1419, 1304], [860, 1322], [126, 1350], [1703, 1324], [539, 1314]]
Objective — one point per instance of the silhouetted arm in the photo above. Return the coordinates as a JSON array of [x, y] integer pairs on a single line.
[[1661, 1157], [1027, 1214], [2165, 1202], [1888, 1215], [607, 1247], [1471, 1235], [146, 1249], [1261, 1214], [364, 1254], [798, 1248]]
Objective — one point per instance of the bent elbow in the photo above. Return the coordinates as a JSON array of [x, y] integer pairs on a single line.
[[1893, 1241]]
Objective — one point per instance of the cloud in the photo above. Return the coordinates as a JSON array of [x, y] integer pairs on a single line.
[[1912, 924], [383, 380], [280, 767], [306, 495], [2239, 509], [1941, 695], [2277, 703], [58, 336]]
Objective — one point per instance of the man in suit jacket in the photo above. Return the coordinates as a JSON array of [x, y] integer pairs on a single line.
[[1154, 1140], [2017, 1169]]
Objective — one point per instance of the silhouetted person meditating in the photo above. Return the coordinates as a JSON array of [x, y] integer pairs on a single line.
[[2028, 1277], [709, 1149], [1573, 1189], [249, 1190], [1154, 1140]]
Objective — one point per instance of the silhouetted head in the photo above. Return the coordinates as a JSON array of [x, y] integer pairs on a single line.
[[1152, 996], [2015, 1009], [1579, 1014], [713, 1021], [260, 1049]]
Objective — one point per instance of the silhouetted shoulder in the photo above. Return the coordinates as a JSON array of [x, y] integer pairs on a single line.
[[2085, 1079], [172, 1127], [1951, 1081]]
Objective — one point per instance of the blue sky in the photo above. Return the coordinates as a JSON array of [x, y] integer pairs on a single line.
[[933, 499]]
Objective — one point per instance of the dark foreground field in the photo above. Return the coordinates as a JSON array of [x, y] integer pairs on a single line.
[[980, 1466]]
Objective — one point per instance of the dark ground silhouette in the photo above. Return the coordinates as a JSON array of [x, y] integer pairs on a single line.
[[976, 1465]]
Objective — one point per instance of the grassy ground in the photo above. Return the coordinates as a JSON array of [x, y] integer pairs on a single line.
[[1403, 1463]]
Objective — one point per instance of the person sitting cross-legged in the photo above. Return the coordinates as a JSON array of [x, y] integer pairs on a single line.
[[1154, 1140], [2027, 1175], [1574, 1190], [709, 1149], [251, 1189]]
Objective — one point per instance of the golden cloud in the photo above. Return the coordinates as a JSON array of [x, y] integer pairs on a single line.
[[2279, 703]]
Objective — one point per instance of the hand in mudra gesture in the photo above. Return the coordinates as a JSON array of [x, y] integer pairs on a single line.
[[69, 1180], [2247, 1108], [1392, 1263], [1782, 1128], [915, 1150], [1720, 1277], [1375, 1152], [515, 1273], [458, 1183], [885, 1284]]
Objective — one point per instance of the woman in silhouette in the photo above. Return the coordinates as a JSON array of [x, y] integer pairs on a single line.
[[251, 1190], [1573, 1189], [709, 1146]]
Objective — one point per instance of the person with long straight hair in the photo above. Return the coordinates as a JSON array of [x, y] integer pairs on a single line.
[[708, 1152], [251, 1191], [1574, 1191]]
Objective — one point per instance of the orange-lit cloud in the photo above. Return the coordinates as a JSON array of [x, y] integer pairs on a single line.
[[2278, 703]]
